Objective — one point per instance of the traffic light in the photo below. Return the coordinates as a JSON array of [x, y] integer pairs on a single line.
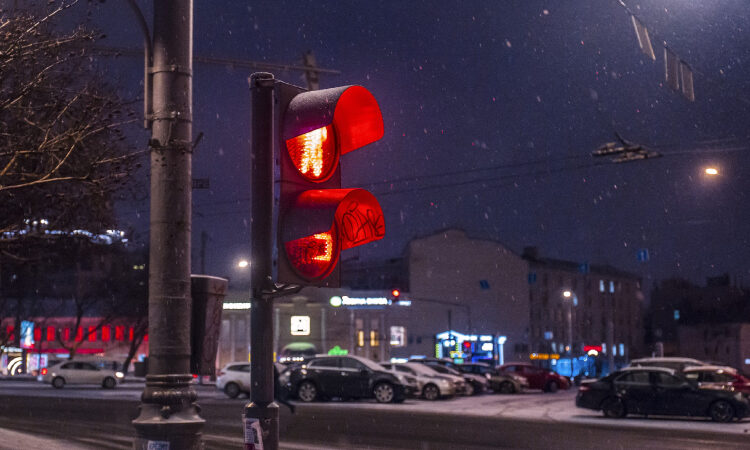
[[315, 218]]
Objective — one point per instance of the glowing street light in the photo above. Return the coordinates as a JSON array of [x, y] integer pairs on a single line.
[[712, 171], [243, 264]]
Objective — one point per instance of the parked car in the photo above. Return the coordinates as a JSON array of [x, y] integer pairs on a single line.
[[431, 384], [537, 377], [473, 384], [79, 372], [718, 376], [676, 363], [234, 379], [659, 391], [504, 383], [326, 377]]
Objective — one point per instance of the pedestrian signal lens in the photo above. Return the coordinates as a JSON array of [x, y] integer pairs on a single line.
[[315, 256], [314, 153]]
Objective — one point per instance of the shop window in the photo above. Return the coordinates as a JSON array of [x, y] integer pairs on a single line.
[[106, 335], [601, 285], [119, 333], [79, 334], [50, 334]]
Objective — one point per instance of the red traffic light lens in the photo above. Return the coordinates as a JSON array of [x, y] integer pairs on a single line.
[[395, 293], [314, 153], [315, 256]]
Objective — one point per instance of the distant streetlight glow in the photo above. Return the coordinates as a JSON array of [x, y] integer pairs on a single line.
[[712, 171], [567, 294], [243, 264]]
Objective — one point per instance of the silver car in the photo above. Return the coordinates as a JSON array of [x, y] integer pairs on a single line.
[[431, 384], [79, 372]]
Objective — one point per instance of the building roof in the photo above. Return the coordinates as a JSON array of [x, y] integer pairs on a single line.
[[537, 262]]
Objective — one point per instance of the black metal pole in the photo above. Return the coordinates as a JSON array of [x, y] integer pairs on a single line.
[[168, 412], [262, 412]]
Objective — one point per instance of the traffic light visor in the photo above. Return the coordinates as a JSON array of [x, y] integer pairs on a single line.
[[349, 117], [357, 119], [323, 222]]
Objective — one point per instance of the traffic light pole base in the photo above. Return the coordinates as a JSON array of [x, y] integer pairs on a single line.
[[169, 417], [266, 418]]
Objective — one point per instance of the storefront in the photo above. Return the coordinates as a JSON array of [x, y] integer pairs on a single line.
[[470, 347]]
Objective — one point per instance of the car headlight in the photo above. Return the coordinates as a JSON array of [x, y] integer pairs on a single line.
[[738, 396], [119, 375]]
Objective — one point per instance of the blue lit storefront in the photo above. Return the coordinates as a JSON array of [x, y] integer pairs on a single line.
[[586, 366], [464, 348]]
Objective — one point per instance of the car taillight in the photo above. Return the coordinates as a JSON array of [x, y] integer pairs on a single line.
[[44, 371]]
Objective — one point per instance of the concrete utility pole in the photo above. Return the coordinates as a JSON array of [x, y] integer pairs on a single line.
[[168, 413]]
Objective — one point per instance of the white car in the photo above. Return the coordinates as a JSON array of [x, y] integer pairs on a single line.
[[234, 379], [671, 362], [431, 384], [79, 372]]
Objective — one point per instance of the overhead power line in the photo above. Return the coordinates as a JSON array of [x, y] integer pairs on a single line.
[[228, 62]]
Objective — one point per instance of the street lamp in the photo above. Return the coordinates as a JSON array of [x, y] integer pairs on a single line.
[[243, 264], [571, 299], [712, 171]]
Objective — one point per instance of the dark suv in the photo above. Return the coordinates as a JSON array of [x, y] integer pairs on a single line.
[[345, 377]]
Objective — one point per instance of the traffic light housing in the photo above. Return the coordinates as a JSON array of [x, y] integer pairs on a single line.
[[315, 218]]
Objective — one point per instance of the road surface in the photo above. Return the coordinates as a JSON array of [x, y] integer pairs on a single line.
[[90, 417]]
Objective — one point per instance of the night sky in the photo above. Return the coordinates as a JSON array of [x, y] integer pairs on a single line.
[[491, 111]]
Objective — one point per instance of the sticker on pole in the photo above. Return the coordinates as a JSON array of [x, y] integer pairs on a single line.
[[253, 437]]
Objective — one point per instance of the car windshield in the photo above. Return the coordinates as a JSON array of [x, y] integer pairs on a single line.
[[192, 192]]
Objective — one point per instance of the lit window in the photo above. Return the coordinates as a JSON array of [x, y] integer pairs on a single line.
[[398, 336], [92, 334], [360, 338], [119, 333], [106, 334], [612, 287], [130, 334], [50, 334], [374, 341], [79, 334], [601, 285], [676, 314], [622, 349], [604, 347]]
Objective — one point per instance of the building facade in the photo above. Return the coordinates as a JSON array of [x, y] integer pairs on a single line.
[[583, 316], [452, 295]]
